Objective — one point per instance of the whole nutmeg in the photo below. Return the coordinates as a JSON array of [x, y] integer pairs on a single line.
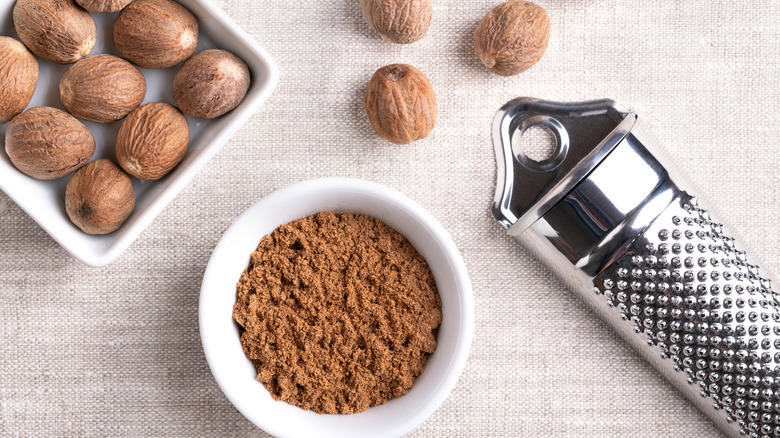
[[59, 31], [99, 197], [210, 84], [152, 140], [18, 77], [47, 143], [512, 37], [156, 33], [103, 5], [398, 21], [102, 88], [400, 104]]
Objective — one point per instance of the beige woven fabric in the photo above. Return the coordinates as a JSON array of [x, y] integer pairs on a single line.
[[115, 351]]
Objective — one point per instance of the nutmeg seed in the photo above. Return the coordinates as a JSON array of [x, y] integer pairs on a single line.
[[152, 140], [400, 104], [99, 197], [18, 77], [156, 33], [398, 21], [59, 31], [210, 84], [47, 143], [102, 88], [512, 37], [103, 5]]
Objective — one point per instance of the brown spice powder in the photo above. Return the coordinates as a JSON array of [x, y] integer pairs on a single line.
[[338, 313]]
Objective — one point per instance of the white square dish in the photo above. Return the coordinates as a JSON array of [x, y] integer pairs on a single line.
[[44, 201]]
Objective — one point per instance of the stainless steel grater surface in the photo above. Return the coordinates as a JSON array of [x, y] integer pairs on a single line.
[[625, 231]]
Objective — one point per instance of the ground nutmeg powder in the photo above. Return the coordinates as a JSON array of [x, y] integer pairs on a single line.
[[337, 312]]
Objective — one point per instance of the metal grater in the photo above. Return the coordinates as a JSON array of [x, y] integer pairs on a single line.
[[624, 230]]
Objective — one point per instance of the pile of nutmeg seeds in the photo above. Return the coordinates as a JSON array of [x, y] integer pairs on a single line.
[[400, 103], [48, 143]]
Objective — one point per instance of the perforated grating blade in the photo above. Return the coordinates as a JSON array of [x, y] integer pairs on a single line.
[[685, 286]]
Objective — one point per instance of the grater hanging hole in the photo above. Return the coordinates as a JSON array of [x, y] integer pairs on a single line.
[[540, 143]]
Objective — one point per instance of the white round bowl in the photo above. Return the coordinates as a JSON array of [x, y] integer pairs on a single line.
[[219, 333]]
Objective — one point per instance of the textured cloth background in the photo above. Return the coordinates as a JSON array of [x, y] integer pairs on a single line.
[[115, 351]]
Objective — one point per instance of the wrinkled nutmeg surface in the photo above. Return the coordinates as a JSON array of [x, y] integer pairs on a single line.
[[400, 104], [102, 88], [103, 5], [18, 77], [152, 140], [59, 31], [99, 197], [156, 33], [210, 84], [398, 21], [512, 37], [47, 143]]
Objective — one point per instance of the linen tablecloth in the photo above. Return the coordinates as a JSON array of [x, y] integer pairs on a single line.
[[115, 351]]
